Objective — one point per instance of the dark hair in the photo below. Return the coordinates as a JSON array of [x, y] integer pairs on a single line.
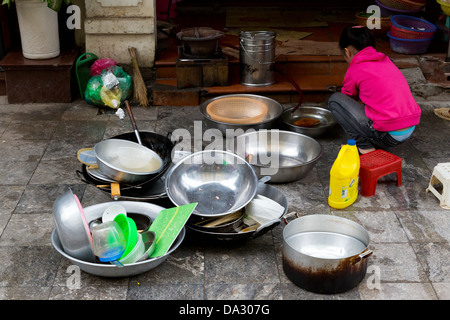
[[356, 36]]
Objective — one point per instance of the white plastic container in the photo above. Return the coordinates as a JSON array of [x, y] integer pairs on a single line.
[[135, 254], [38, 26]]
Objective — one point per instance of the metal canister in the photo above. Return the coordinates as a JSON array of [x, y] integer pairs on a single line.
[[257, 57]]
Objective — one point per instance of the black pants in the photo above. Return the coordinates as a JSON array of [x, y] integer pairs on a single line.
[[351, 116]]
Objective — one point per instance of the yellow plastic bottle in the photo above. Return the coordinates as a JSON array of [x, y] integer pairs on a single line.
[[344, 177]]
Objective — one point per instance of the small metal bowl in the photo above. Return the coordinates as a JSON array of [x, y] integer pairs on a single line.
[[72, 227], [323, 115]]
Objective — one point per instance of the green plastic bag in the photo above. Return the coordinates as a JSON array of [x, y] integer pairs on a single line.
[[95, 86]]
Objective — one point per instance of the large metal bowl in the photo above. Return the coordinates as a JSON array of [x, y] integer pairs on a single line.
[[220, 181], [275, 110], [323, 115], [72, 227], [109, 270], [285, 156]]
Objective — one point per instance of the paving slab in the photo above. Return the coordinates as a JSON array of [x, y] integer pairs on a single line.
[[409, 231]]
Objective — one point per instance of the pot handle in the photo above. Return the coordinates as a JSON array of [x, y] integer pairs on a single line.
[[363, 255], [264, 179], [288, 215]]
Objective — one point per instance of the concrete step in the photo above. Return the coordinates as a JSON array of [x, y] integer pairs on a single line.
[[2, 83], [315, 75]]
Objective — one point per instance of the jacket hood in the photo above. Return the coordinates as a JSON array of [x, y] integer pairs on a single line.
[[368, 54]]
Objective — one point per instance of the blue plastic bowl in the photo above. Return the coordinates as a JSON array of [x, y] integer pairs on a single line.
[[409, 46]]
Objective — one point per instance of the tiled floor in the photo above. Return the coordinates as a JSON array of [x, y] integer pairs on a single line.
[[409, 232]]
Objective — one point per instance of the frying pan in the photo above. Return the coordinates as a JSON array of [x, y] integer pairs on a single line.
[[160, 144], [126, 161]]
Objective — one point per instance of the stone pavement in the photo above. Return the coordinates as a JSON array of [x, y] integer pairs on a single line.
[[410, 232]]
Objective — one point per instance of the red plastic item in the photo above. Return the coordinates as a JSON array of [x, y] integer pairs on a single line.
[[409, 34], [100, 64], [374, 165]]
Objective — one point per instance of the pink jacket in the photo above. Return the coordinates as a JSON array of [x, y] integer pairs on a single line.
[[383, 89]]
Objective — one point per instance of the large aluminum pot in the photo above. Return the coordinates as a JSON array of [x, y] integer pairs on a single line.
[[275, 110], [325, 253], [283, 155]]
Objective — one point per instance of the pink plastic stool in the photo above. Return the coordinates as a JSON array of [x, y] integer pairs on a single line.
[[375, 165]]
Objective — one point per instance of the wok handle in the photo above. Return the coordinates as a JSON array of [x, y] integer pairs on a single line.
[[130, 113], [133, 122]]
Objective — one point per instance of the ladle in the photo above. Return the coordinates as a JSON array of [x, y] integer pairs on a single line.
[[133, 122]]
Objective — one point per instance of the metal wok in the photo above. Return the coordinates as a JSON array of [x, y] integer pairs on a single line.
[[152, 191], [292, 155], [220, 181], [232, 237], [126, 161]]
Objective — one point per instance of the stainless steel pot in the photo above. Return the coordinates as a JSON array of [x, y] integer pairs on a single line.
[[325, 253]]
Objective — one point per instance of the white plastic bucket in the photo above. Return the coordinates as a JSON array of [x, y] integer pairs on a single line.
[[38, 26]]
